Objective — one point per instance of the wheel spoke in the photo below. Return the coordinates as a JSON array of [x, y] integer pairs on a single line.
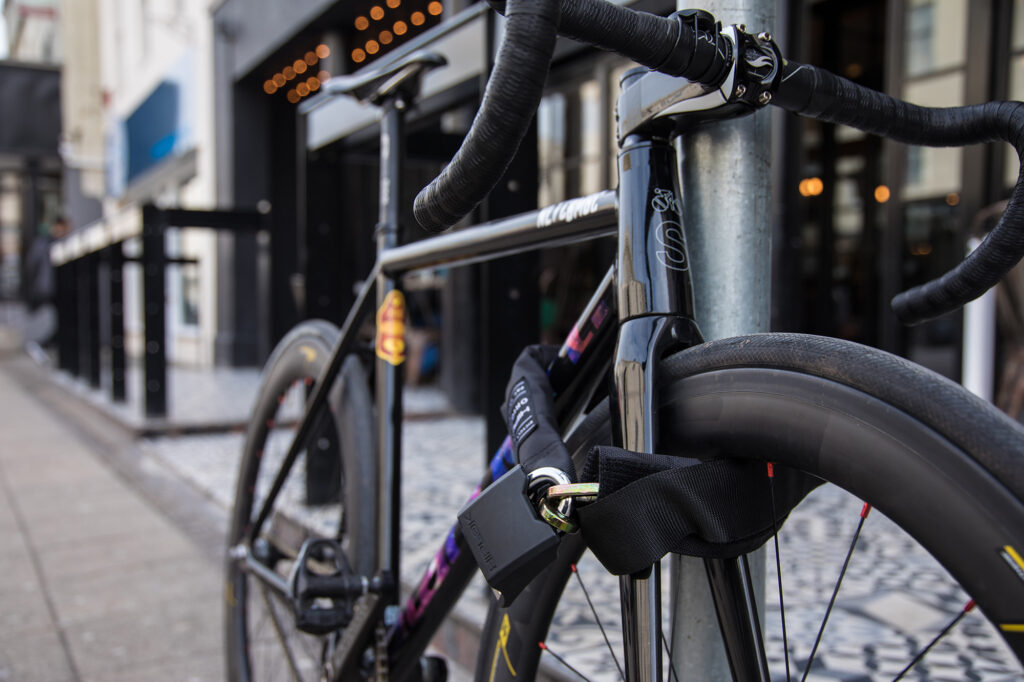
[[597, 619], [778, 568], [942, 633], [865, 510], [671, 649], [281, 637], [672, 674], [544, 647]]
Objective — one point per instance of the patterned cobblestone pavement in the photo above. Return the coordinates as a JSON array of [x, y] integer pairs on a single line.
[[894, 597]]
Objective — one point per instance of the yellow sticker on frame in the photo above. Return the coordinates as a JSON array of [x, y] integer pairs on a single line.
[[390, 345]]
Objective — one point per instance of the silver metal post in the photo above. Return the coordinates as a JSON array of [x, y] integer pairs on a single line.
[[726, 177]]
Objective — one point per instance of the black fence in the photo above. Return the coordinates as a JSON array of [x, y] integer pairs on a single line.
[[86, 260]]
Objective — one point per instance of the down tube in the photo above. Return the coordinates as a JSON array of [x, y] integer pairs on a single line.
[[453, 566]]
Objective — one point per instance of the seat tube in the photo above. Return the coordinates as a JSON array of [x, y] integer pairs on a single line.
[[389, 348], [655, 306]]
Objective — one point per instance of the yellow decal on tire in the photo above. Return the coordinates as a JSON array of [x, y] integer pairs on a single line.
[[1013, 560], [308, 352], [390, 343]]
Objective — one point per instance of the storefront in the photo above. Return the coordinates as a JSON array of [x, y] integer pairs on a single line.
[[859, 218]]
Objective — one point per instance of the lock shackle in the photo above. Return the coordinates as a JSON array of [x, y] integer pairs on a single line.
[[539, 480]]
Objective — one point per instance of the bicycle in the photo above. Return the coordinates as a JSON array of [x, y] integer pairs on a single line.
[[785, 411]]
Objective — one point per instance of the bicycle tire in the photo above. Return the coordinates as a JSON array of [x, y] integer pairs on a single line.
[[295, 363], [872, 423]]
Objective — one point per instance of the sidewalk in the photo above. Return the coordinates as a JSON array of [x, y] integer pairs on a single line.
[[110, 549], [95, 584]]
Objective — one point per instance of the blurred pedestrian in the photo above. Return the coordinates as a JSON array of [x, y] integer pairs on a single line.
[[41, 285]]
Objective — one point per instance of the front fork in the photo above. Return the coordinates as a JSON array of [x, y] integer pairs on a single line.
[[655, 304], [642, 343], [656, 317]]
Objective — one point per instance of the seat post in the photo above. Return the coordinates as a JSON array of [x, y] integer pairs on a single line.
[[392, 152], [389, 366]]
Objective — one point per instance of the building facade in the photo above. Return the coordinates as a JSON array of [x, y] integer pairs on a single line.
[[857, 219], [139, 130], [30, 169]]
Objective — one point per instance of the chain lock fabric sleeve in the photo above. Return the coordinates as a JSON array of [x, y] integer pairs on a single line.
[[650, 505], [816, 93], [530, 413]]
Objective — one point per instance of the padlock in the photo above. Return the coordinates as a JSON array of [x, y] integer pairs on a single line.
[[509, 541]]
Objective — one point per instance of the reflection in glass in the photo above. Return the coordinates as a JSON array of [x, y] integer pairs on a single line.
[[920, 29]]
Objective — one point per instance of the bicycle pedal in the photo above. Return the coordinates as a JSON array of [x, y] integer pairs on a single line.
[[510, 543], [323, 600]]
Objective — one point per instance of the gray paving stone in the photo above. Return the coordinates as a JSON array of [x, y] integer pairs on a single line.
[[45, 510], [117, 552], [182, 668], [69, 530], [35, 656], [120, 643], [23, 612], [134, 590], [128, 588]]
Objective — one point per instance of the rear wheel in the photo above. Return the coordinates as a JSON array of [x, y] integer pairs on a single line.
[[329, 493], [946, 469]]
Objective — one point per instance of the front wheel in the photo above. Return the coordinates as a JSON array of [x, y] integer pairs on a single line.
[[329, 493], [945, 468]]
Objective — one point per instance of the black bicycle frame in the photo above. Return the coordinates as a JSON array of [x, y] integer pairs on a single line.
[[649, 304]]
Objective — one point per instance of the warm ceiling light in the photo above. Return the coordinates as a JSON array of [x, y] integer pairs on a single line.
[[372, 47], [811, 187], [362, 23], [310, 58], [300, 66], [323, 51], [376, 12], [435, 8], [417, 18], [313, 82], [400, 28], [394, 4], [386, 37], [289, 72], [293, 96], [302, 89], [279, 80], [882, 194], [358, 56], [952, 198], [323, 76], [269, 87]]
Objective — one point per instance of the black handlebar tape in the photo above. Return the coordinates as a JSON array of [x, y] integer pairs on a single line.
[[816, 93], [510, 100], [686, 44]]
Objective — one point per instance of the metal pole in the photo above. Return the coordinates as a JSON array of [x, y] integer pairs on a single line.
[[726, 177], [117, 358], [153, 294], [978, 363]]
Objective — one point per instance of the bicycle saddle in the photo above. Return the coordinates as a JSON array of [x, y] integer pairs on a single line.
[[374, 85]]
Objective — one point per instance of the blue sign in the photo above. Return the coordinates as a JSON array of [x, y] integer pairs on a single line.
[[160, 128]]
